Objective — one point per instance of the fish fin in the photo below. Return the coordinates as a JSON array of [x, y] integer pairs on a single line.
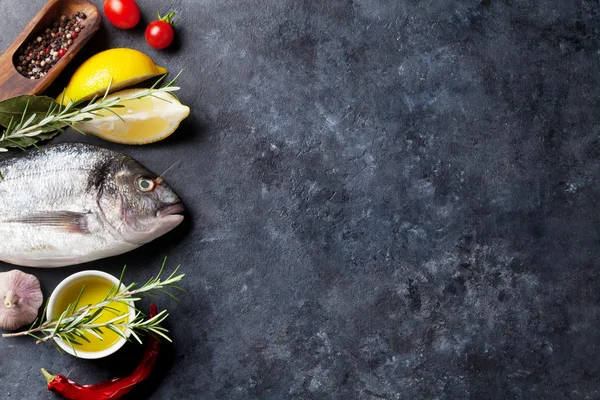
[[69, 221]]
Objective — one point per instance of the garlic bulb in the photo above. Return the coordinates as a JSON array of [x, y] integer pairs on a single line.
[[21, 299]]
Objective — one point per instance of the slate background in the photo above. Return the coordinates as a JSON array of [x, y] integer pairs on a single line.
[[387, 199]]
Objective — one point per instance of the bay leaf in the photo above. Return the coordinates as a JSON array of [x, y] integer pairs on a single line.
[[24, 142], [14, 108]]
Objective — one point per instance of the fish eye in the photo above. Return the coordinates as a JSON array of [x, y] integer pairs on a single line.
[[145, 185]]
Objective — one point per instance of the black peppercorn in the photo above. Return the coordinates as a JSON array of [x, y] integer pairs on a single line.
[[44, 50]]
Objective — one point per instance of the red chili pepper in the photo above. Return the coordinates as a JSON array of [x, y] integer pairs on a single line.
[[112, 389]]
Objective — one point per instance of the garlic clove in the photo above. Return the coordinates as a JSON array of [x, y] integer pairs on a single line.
[[20, 299]]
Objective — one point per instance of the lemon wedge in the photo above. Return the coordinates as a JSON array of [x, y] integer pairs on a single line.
[[140, 121], [118, 68]]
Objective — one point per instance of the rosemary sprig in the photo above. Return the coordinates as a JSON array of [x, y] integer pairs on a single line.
[[26, 130], [76, 322]]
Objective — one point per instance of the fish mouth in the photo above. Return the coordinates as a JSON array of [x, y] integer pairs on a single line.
[[172, 209]]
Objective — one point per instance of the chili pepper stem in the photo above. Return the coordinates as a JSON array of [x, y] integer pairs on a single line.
[[113, 389], [48, 376]]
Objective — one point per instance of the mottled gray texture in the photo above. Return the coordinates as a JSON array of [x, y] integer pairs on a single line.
[[388, 199]]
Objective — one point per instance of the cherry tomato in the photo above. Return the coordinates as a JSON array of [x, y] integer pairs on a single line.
[[123, 14], [160, 33]]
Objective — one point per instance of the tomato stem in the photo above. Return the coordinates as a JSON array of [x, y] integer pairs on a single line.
[[168, 18]]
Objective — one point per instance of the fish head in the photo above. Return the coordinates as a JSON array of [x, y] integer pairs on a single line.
[[136, 202]]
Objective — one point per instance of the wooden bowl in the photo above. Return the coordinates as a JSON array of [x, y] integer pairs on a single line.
[[12, 83]]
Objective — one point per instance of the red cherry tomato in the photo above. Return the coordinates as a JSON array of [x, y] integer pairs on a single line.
[[160, 33], [123, 14]]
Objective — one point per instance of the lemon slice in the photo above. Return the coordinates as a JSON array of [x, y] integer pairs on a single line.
[[118, 68], [145, 120]]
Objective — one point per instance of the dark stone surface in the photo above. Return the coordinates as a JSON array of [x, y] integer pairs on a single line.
[[387, 200]]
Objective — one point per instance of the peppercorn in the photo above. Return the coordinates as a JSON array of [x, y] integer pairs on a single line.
[[53, 42]]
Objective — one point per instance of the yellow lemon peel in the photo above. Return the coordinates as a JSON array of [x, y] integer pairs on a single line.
[[117, 68]]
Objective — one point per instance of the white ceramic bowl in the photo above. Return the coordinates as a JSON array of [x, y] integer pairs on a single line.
[[52, 304]]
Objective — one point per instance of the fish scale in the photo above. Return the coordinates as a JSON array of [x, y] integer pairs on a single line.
[[72, 203]]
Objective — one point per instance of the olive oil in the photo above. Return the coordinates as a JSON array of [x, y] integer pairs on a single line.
[[95, 290]]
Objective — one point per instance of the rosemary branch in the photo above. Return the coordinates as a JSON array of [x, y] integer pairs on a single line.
[[57, 117], [75, 322]]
